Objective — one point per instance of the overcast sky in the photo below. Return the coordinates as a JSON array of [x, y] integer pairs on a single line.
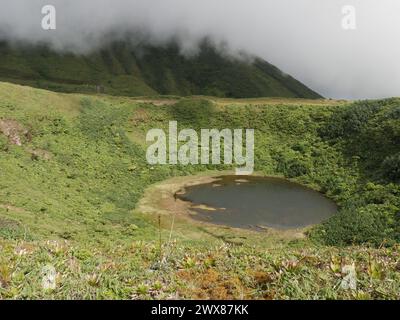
[[304, 38]]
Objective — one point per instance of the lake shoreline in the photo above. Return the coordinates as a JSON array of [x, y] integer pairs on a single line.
[[161, 199]]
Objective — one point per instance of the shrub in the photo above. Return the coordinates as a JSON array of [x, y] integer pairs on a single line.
[[391, 168], [372, 224], [349, 120]]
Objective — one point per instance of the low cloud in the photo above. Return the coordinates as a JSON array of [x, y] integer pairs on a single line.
[[304, 38]]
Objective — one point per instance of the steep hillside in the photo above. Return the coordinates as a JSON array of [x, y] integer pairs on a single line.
[[123, 69], [73, 170]]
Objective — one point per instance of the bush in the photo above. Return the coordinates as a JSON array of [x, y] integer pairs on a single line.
[[391, 168], [291, 166], [195, 113], [373, 224], [349, 120]]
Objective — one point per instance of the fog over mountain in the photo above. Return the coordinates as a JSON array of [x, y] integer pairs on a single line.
[[304, 38]]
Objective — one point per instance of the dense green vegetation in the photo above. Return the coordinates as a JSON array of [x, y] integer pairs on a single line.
[[368, 135], [348, 152], [68, 198], [143, 70]]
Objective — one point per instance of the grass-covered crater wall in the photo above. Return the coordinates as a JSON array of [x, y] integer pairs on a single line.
[[81, 169]]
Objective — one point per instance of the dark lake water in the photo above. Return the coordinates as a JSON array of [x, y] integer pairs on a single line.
[[254, 202]]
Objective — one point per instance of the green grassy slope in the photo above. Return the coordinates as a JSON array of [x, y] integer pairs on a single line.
[[68, 198], [121, 69]]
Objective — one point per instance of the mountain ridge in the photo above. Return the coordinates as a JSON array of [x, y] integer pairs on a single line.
[[146, 70]]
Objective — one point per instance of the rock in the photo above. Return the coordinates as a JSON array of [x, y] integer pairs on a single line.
[[13, 131]]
